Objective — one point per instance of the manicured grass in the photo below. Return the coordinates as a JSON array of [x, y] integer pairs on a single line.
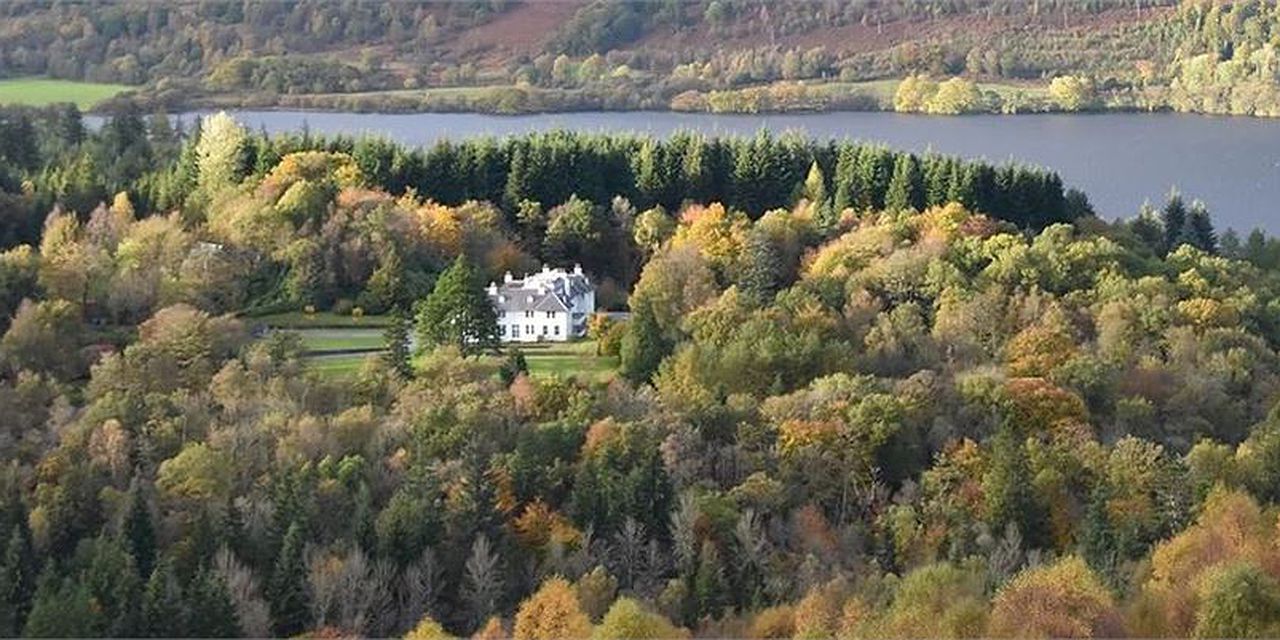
[[43, 91], [570, 359], [318, 320], [573, 359], [342, 339], [339, 366]]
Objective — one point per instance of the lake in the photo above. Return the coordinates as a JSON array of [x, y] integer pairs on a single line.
[[1120, 160]]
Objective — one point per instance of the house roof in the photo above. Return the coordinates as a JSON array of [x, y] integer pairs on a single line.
[[545, 291]]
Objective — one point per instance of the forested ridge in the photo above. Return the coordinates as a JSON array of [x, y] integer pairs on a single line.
[[862, 393], [997, 56]]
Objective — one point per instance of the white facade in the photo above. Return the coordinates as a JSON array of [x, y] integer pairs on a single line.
[[549, 306]]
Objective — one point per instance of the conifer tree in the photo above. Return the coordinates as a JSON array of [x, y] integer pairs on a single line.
[[61, 608], [905, 187], [162, 604], [1197, 230], [458, 312], [138, 532], [212, 614], [643, 346], [396, 336], [1174, 217], [287, 589], [17, 581]]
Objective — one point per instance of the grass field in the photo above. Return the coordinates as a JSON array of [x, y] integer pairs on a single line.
[[318, 320], [569, 359], [43, 91], [575, 359], [338, 366], [320, 340]]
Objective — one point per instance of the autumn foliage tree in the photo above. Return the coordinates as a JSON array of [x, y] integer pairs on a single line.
[[552, 613]]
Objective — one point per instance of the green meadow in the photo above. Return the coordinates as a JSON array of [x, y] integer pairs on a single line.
[[42, 91]]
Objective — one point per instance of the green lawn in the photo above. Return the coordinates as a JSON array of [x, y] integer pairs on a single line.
[[43, 91], [574, 359], [318, 320], [568, 359], [342, 339], [338, 366]]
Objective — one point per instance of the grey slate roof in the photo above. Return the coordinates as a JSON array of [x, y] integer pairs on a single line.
[[520, 295]]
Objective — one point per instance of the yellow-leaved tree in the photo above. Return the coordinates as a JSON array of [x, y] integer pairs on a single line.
[[1061, 600], [552, 613]]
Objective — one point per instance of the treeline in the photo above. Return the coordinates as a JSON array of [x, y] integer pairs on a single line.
[[750, 174], [50, 149]]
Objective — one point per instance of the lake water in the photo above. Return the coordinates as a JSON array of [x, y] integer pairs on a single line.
[[1120, 160]]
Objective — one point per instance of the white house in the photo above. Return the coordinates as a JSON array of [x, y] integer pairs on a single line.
[[552, 305]]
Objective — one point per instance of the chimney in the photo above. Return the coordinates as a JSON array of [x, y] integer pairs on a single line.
[[577, 269], [507, 278], [493, 289]]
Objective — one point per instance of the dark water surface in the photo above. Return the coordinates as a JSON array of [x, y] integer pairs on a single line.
[[1120, 160]]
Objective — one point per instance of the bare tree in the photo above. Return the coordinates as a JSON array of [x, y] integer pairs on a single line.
[[420, 585], [251, 608], [627, 552], [683, 534], [482, 580]]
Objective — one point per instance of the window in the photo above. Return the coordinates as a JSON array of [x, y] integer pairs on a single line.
[[502, 329], [557, 329], [528, 313], [515, 331], [529, 329], [551, 314]]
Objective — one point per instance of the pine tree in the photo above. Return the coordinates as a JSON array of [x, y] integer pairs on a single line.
[[1098, 543], [458, 312], [210, 611], [162, 604], [643, 346], [62, 608], [138, 532], [287, 590], [905, 187], [1174, 217], [651, 176], [846, 185], [875, 166], [17, 581], [937, 180], [115, 587], [1197, 230], [396, 336]]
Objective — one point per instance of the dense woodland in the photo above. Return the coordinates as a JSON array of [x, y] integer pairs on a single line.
[[1003, 56], [862, 393]]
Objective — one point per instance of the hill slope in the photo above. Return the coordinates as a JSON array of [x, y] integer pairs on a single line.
[[715, 55]]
